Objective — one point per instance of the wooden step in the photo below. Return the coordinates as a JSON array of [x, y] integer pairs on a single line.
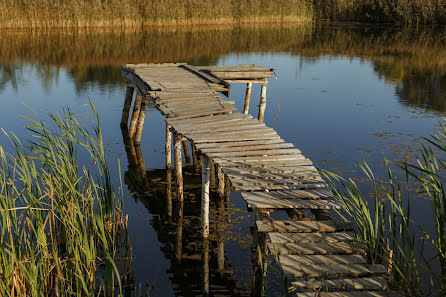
[[275, 237], [319, 248], [297, 260], [324, 270], [366, 283], [352, 294], [302, 226]]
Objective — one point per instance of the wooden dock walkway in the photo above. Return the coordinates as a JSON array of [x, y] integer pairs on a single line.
[[318, 254]]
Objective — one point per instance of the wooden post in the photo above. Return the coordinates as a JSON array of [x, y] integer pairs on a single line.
[[178, 167], [228, 198], [135, 115], [205, 181], [186, 151], [141, 167], [212, 175], [221, 182], [221, 233], [127, 104], [142, 116], [247, 98], [195, 159], [179, 239], [262, 104], [168, 149]]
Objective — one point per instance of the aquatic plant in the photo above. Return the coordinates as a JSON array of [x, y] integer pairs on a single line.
[[384, 221], [59, 219]]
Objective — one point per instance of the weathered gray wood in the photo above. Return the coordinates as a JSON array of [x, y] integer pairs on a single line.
[[254, 153], [178, 167], [186, 152], [262, 104], [141, 119], [214, 118], [298, 194], [366, 283], [323, 270], [268, 164], [240, 143], [268, 203], [352, 294], [259, 147], [298, 260], [247, 98], [276, 237], [135, 115], [204, 113], [168, 149], [205, 182], [259, 174], [240, 136], [221, 182], [321, 248], [302, 226], [127, 105]]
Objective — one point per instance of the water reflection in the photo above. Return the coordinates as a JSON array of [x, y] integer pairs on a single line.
[[198, 266], [414, 60]]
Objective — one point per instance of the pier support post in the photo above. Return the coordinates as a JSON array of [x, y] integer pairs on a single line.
[[178, 167], [142, 117], [135, 115], [195, 159], [127, 105], [221, 182], [168, 149], [247, 98], [212, 175], [205, 181], [205, 267], [186, 151], [262, 104]]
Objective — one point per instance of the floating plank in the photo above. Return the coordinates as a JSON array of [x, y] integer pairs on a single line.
[[321, 248], [303, 226], [297, 260], [324, 270], [352, 294], [366, 283], [275, 237]]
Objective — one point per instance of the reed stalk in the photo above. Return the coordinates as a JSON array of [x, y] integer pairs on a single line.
[[59, 219]]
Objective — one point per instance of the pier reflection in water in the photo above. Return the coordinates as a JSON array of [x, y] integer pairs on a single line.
[[199, 265]]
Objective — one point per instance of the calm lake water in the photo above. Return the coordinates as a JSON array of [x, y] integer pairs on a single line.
[[342, 93]]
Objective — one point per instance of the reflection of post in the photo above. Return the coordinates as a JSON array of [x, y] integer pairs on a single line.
[[168, 149], [179, 239], [205, 267], [212, 174], [186, 151], [142, 116], [220, 233], [247, 98], [259, 266], [127, 104], [205, 176], [262, 104], [141, 165], [135, 115], [228, 198]]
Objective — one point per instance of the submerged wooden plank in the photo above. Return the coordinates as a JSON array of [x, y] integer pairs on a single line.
[[297, 260], [365, 283], [302, 226], [320, 248], [352, 294], [276, 237], [324, 270]]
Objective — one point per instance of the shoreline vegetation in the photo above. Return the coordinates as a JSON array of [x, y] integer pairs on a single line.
[[146, 13]]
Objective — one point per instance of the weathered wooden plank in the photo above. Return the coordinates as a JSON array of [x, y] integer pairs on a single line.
[[352, 294], [189, 110], [297, 170], [323, 270], [260, 158], [321, 248], [302, 226], [255, 153], [297, 260], [233, 125], [247, 148], [241, 67], [251, 75], [264, 163], [240, 144], [242, 136], [271, 187], [208, 119], [308, 194], [266, 183], [260, 202], [366, 283], [230, 131], [268, 175], [203, 114], [276, 237]]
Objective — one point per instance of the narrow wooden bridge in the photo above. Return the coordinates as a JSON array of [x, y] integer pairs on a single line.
[[316, 253]]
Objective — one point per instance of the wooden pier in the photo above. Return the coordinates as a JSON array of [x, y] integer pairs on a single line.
[[316, 253]]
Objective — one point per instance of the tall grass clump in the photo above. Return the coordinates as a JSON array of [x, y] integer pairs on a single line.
[[59, 220], [384, 218], [395, 11]]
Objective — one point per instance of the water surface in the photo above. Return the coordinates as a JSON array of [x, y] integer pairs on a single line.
[[342, 93]]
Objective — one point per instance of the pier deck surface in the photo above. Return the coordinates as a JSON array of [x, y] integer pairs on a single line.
[[318, 254]]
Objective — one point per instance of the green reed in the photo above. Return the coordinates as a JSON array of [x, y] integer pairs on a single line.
[[59, 220], [383, 218]]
